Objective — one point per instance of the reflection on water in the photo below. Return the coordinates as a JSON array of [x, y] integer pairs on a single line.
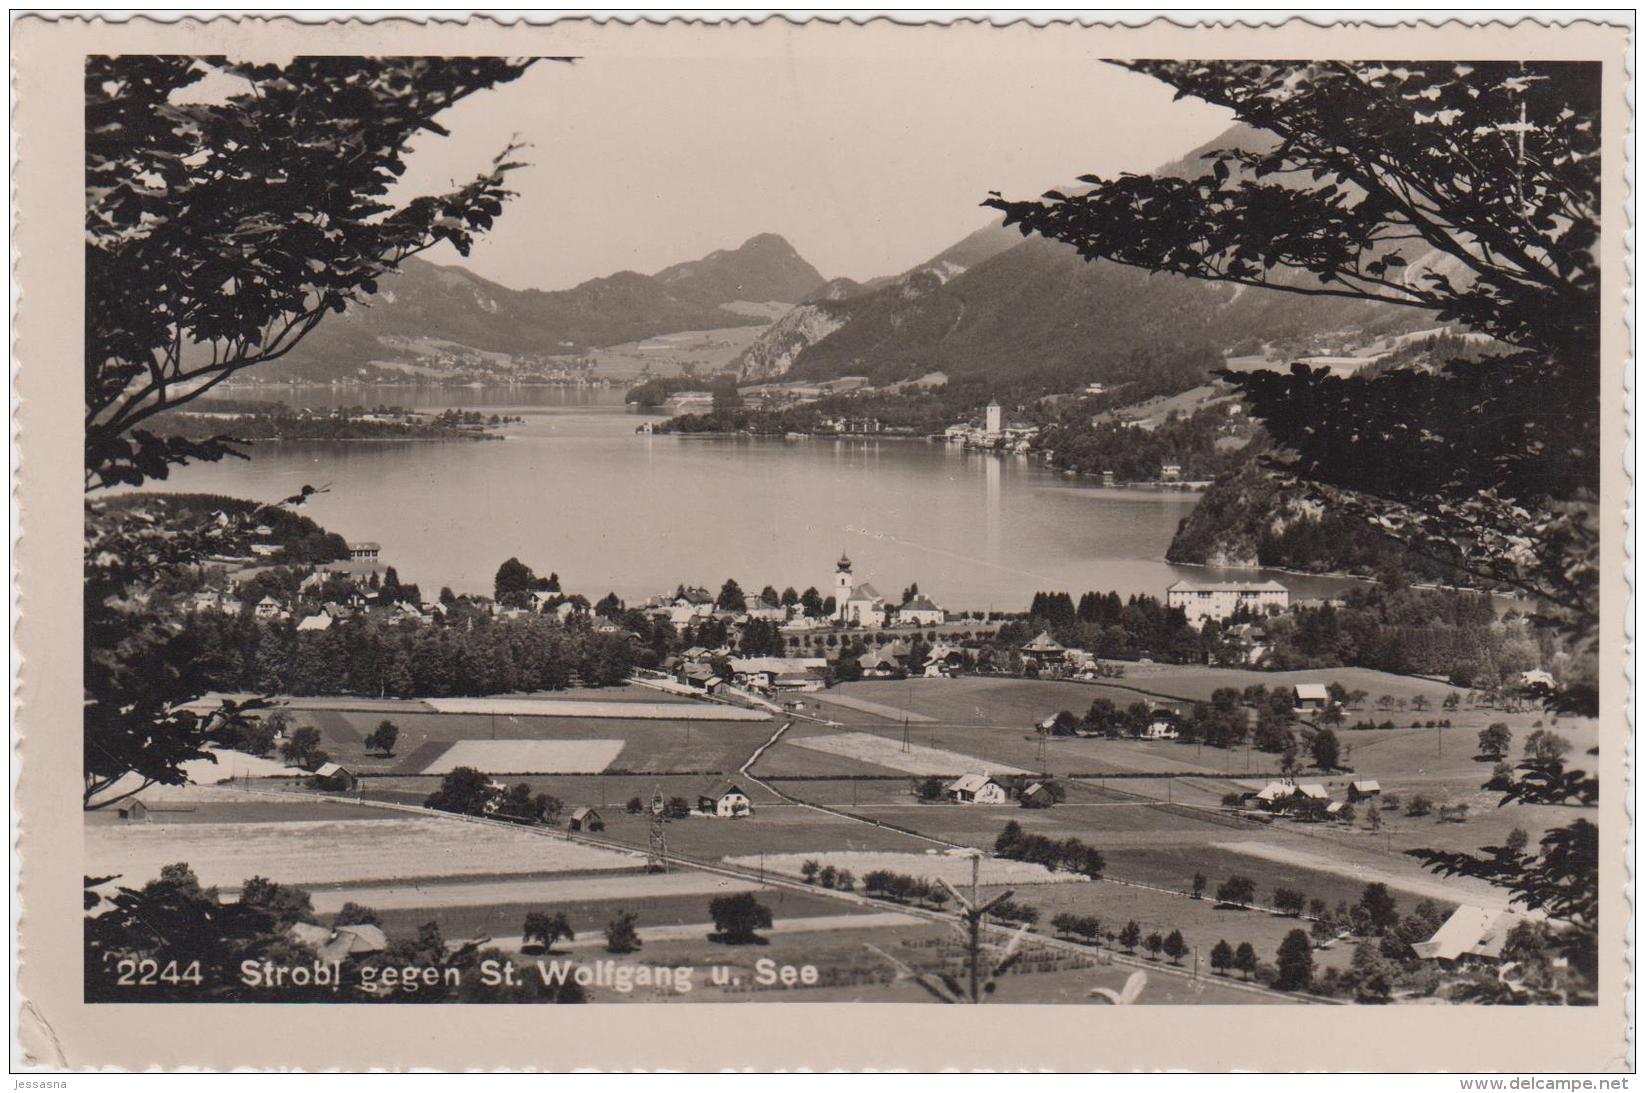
[[575, 491]]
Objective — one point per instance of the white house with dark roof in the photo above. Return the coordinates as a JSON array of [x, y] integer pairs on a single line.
[[725, 800]]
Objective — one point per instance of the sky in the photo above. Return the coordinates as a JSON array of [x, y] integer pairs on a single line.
[[867, 167]]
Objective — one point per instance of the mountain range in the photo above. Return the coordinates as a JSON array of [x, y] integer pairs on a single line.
[[992, 306], [997, 301], [428, 303]]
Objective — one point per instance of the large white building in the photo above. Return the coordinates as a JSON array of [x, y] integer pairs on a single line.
[[992, 419], [1220, 599]]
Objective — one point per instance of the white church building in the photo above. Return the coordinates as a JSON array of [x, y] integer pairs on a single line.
[[855, 604]]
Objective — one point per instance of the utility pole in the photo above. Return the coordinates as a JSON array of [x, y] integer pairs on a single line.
[[656, 860], [972, 912]]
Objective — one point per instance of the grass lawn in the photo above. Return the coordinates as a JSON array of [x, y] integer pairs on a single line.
[[775, 829], [247, 809], [335, 851]]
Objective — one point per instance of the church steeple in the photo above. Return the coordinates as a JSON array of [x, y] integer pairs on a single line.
[[844, 584]]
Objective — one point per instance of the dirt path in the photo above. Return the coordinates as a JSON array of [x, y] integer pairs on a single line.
[[863, 705]]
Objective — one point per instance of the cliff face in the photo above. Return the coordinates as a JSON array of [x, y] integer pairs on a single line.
[[773, 353], [1228, 525]]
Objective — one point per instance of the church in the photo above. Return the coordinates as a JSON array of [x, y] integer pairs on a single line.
[[855, 604]]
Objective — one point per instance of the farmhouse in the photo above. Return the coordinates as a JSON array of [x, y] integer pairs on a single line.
[[1471, 934], [878, 664], [1284, 796], [364, 552], [336, 778], [1311, 696], [1363, 789], [725, 800], [134, 811], [1270, 795], [1219, 600], [1044, 649], [585, 819], [944, 659], [268, 608], [976, 789], [701, 677]]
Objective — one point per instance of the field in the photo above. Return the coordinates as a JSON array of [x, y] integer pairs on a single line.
[[708, 351], [646, 744], [627, 708], [772, 830], [840, 790], [335, 851], [638, 888], [527, 756], [913, 758]]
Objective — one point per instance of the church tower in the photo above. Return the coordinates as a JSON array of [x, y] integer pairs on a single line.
[[843, 584]]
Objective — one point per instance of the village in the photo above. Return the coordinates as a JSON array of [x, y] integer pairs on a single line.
[[840, 754]]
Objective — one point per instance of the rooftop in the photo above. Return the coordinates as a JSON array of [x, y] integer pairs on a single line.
[[1226, 586]]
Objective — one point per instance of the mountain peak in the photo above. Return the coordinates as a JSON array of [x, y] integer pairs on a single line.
[[766, 267], [768, 241]]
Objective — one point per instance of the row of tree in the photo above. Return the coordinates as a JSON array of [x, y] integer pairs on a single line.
[[366, 656], [1069, 855]]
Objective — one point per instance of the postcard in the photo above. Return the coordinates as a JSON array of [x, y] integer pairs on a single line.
[[890, 545]]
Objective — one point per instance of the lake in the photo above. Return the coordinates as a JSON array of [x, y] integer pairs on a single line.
[[575, 491]]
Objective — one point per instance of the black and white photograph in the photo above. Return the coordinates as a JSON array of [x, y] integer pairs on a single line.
[[893, 525]]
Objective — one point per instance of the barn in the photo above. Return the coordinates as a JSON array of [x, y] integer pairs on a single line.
[[585, 819]]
